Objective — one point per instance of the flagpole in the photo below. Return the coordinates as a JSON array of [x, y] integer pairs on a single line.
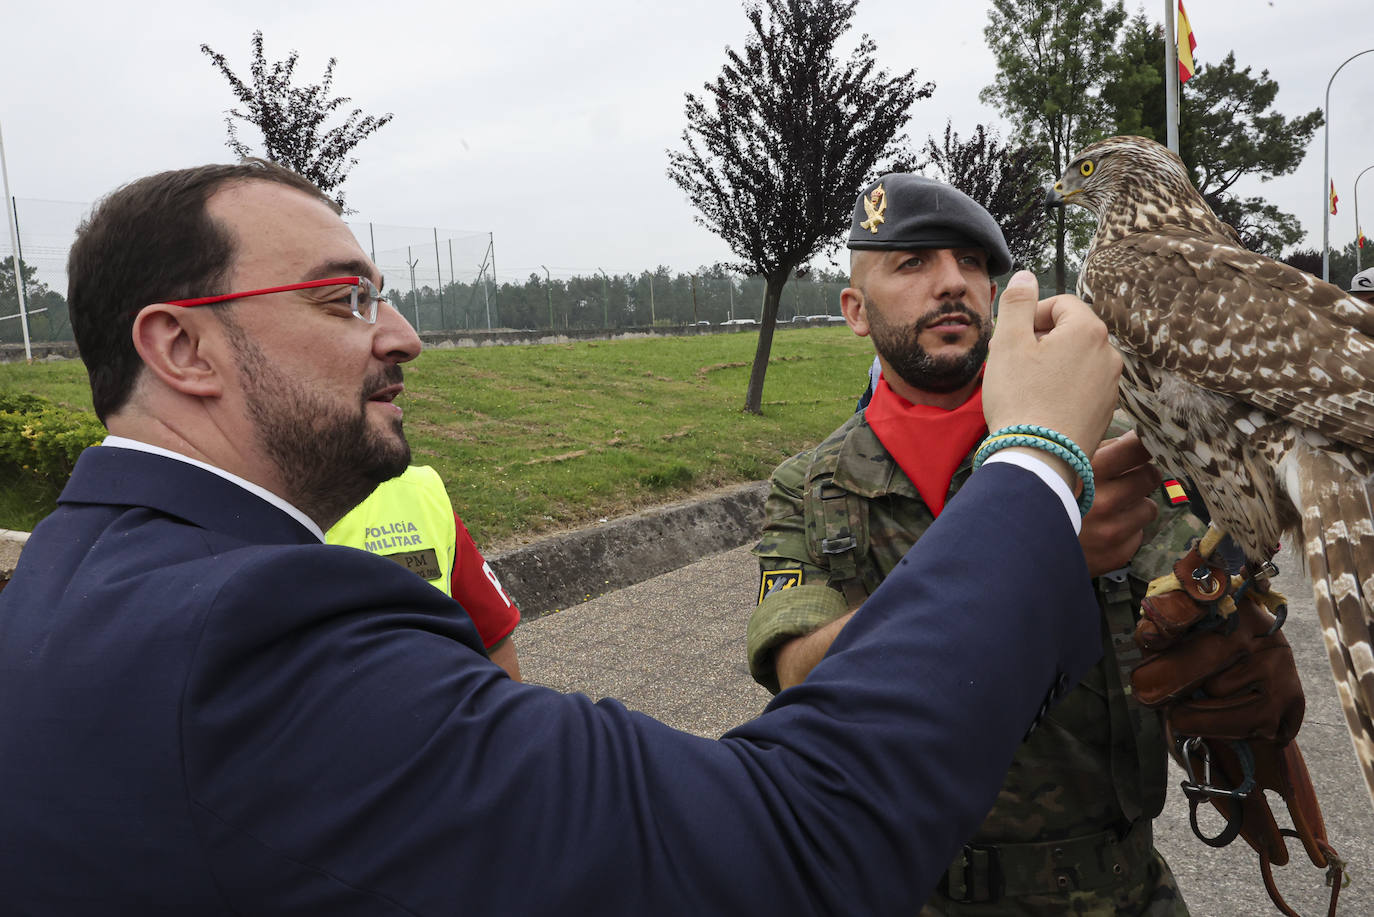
[[1170, 77], [1357, 217], [14, 251], [1326, 169]]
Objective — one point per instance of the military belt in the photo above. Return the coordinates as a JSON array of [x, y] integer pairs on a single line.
[[987, 872]]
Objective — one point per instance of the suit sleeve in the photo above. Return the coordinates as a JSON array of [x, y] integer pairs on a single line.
[[349, 749]]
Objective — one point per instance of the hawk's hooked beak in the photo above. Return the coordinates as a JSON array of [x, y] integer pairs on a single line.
[[1053, 196]]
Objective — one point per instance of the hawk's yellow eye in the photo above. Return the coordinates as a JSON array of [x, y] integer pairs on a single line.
[[1086, 168]]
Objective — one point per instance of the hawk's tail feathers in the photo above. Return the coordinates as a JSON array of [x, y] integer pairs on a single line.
[[1336, 494]]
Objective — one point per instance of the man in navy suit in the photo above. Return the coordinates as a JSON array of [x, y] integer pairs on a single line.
[[206, 710]]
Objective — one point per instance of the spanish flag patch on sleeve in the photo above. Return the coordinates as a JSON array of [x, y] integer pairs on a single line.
[[773, 580], [1175, 492]]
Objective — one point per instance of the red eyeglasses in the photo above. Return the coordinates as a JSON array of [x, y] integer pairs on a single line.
[[363, 297]]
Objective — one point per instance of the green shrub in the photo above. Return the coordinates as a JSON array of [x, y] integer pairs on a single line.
[[42, 439]]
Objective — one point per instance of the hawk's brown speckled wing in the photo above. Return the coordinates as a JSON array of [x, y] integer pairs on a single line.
[[1240, 324]]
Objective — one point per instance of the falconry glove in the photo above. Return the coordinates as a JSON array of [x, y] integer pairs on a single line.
[[1222, 675]]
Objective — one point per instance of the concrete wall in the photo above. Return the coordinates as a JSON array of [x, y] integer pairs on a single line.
[[48, 350], [567, 569]]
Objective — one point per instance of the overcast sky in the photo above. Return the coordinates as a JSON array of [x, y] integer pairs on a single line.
[[546, 123]]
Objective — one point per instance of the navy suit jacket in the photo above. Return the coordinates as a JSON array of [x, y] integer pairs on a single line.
[[205, 711]]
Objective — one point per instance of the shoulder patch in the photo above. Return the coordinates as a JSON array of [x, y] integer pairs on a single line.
[[1174, 492], [773, 580], [425, 563]]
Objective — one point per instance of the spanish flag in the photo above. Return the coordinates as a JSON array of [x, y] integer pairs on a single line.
[[1187, 44], [1334, 199], [1360, 237]]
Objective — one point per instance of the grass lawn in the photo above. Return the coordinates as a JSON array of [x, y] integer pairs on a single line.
[[533, 439]]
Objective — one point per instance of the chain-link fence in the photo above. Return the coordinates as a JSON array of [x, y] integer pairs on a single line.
[[660, 297], [441, 280]]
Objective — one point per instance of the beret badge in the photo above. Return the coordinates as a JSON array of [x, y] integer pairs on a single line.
[[875, 205]]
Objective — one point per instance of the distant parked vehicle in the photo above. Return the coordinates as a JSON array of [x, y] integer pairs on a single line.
[[703, 322], [739, 321]]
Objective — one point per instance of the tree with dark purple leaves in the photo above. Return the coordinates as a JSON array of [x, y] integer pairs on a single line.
[[1004, 178], [782, 140], [292, 119]]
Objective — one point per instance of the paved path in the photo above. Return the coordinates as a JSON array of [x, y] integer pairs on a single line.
[[673, 647]]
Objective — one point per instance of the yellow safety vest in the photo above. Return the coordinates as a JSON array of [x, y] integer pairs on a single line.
[[408, 519]]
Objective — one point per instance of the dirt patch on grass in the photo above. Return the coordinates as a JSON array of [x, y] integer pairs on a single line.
[[702, 372], [561, 457]]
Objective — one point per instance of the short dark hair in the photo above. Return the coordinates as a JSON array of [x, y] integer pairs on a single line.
[[150, 241]]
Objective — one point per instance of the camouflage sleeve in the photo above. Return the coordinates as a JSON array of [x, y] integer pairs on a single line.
[[1166, 539], [793, 597]]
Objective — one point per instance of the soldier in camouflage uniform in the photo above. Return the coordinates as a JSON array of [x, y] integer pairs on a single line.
[[1070, 832]]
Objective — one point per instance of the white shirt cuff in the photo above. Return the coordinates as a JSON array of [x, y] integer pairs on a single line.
[[1041, 470]]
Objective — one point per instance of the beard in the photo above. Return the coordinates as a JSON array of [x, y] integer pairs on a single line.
[[328, 455], [900, 346]]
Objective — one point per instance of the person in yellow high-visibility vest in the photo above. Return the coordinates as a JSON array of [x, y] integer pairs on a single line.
[[410, 520]]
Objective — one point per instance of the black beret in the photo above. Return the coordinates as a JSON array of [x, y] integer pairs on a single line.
[[902, 211]]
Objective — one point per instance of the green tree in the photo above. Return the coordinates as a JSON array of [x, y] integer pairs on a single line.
[[1133, 89], [1227, 130], [1343, 263], [1003, 178], [782, 141], [46, 308], [9, 296], [292, 119], [1234, 132], [1052, 59]]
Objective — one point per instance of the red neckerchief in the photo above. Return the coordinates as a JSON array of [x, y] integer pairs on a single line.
[[927, 443]]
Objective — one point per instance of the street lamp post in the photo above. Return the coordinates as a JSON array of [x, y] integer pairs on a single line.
[[1326, 169], [1357, 217]]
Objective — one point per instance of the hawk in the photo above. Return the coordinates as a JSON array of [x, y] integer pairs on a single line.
[[1249, 377]]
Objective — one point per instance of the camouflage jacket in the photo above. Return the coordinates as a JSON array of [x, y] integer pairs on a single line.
[[841, 516]]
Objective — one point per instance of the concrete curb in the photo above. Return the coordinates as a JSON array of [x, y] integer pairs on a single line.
[[570, 568], [574, 567], [11, 543]]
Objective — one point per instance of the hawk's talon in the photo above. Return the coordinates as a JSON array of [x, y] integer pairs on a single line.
[[1275, 602], [1280, 615]]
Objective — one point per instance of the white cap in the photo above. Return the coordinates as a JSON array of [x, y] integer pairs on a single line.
[[1363, 282]]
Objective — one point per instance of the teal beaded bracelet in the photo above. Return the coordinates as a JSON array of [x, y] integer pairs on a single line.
[[1046, 440]]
